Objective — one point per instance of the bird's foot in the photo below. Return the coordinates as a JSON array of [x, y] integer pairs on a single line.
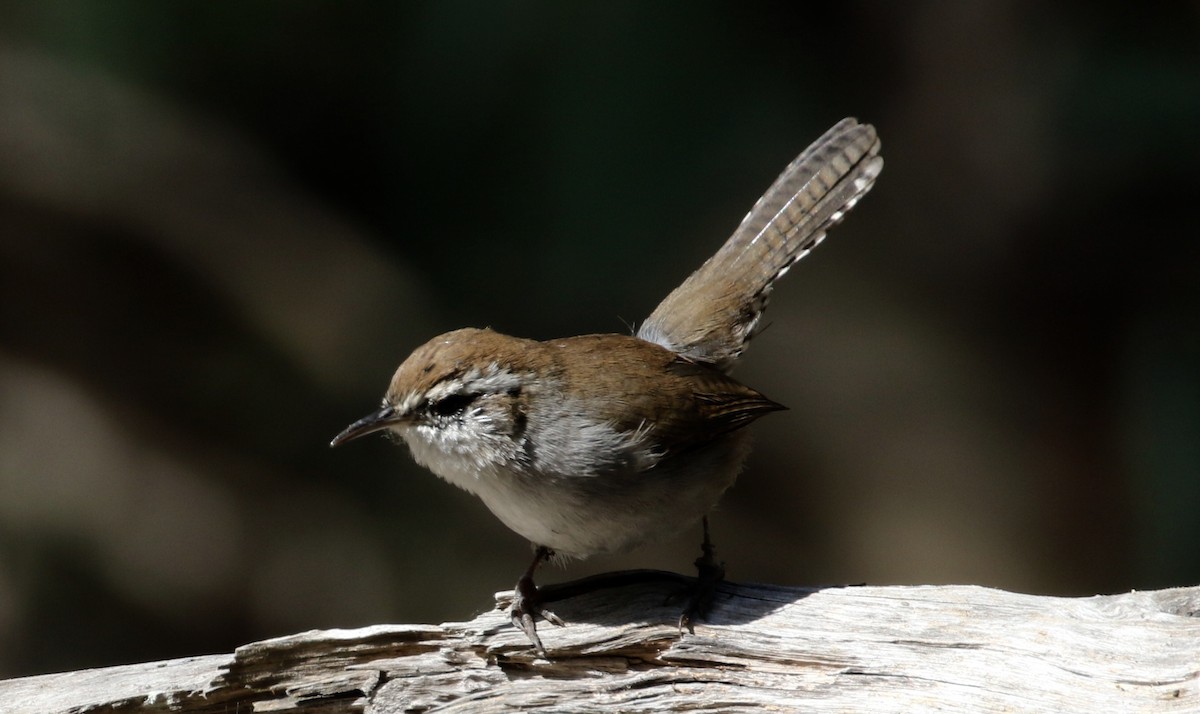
[[701, 593], [527, 605]]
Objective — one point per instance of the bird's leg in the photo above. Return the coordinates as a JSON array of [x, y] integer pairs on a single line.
[[527, 602], [709, 573]]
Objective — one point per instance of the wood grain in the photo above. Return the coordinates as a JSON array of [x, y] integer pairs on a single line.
[[864, 649]]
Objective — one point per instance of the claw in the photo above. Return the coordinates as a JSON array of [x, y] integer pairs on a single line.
[[527, 604], [702, 592]]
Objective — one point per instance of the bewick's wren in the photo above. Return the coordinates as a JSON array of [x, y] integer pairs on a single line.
[[597, 444]]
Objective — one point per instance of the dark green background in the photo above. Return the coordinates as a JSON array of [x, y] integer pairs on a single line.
[[222, 225]]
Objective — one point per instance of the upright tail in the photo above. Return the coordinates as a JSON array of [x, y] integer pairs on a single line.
[[712, 316]]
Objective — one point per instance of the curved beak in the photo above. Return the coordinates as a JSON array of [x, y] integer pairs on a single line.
[[369, 424]]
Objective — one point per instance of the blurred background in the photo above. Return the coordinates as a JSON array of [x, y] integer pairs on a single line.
[[222, 226]]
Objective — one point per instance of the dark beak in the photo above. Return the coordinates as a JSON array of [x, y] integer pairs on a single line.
[[369, 424]]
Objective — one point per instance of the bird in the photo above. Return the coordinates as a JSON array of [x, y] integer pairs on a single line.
[[597, 444]]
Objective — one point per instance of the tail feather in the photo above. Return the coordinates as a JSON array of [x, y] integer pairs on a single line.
[[712, 316]]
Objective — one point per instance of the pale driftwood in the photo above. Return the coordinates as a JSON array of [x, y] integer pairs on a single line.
[[864, 649]]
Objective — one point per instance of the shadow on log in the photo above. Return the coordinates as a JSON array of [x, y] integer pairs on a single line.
[[865, 649]]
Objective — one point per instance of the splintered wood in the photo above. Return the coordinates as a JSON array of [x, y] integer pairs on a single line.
[[863, 649]]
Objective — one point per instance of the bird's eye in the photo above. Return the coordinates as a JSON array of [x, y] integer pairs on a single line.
[[452, 405]]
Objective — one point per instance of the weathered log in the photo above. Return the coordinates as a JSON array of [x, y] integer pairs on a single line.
[[854, 648]]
